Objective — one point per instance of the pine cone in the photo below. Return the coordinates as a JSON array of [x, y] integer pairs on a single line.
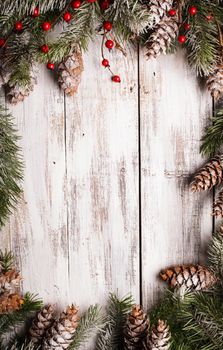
[[160, 337], [218, 205], [193, 277], [208, 176], [215, 83], [9, 281], [161, 38], [70, 71], [17, 92], [136, 331], [10, 302], [59, 336], [158, 10], [41, 323]]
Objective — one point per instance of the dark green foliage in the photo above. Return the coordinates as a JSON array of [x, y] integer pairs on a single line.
[[111, 336], [10, 166], [213, 138], [9, 322], [6, 261], [89, 324]]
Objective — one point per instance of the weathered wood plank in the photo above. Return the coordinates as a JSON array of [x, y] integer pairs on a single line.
[[174, 221], [102, 175], [38, 229]]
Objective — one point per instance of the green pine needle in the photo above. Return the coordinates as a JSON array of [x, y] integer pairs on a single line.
[[89, 324], [213, 138], [111, 336], [6, 261], [215, 254], [10, 166]]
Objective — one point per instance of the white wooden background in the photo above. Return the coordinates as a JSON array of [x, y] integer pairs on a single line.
[[106, 202]]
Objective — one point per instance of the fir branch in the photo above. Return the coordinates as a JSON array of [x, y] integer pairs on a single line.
[[213, 138], [111, 336], [6, 261], [215, 253], [25, 346], [129, 18], [10, 166], [89, 323]]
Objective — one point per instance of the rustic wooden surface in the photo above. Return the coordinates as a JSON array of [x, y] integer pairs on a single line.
[[106, 202]]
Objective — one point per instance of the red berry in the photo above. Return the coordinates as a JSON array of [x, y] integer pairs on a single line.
[[192, 10], [76, 4], [109, 44], [18, 26], [50, 65], [116, 79], [182, 39], [104, 5], [172, 12], [2, 42], [105, 62], [44, 48], [91, 1], [186, 26], [46, 26], [67, 16], [107, 25], [35, 12]]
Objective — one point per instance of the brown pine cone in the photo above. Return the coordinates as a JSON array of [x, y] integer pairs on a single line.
[[208, 176], [10, 302], [136, 331], [41, 323], [9, 281], [158, 9], [59, 336], [70, 71], [218, 205], [215, 82], [160, 40], [160, 338], [193, 277]]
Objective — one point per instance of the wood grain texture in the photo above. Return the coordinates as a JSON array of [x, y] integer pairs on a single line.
[[174, 111]]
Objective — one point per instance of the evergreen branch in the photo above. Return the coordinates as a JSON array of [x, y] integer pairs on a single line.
[[215, 253], [10, 166], [111, 336], [9, 321], [213, 138], [89, 323], [6, 261], [25, 346]]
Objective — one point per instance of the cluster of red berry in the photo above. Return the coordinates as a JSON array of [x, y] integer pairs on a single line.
[[192, 11]]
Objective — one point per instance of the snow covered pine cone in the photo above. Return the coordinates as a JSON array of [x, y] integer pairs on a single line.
[[41, 323], [70, 70], [160, 338], [194, 277], [215, 83], [218, 205], [59, 336], [16, 92], [9, 281], [208, 176], [162, 36], [136, 331], [158, 10]]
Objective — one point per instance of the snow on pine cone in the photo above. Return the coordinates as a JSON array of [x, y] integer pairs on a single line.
[[194, 277], [9, 281], [16, 92], [162, 36], [59, 336], [160, 338], [218, 205], [136, 330], [215, 83], [158, 10], [70, 70], [208, 176], [41, 323]]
